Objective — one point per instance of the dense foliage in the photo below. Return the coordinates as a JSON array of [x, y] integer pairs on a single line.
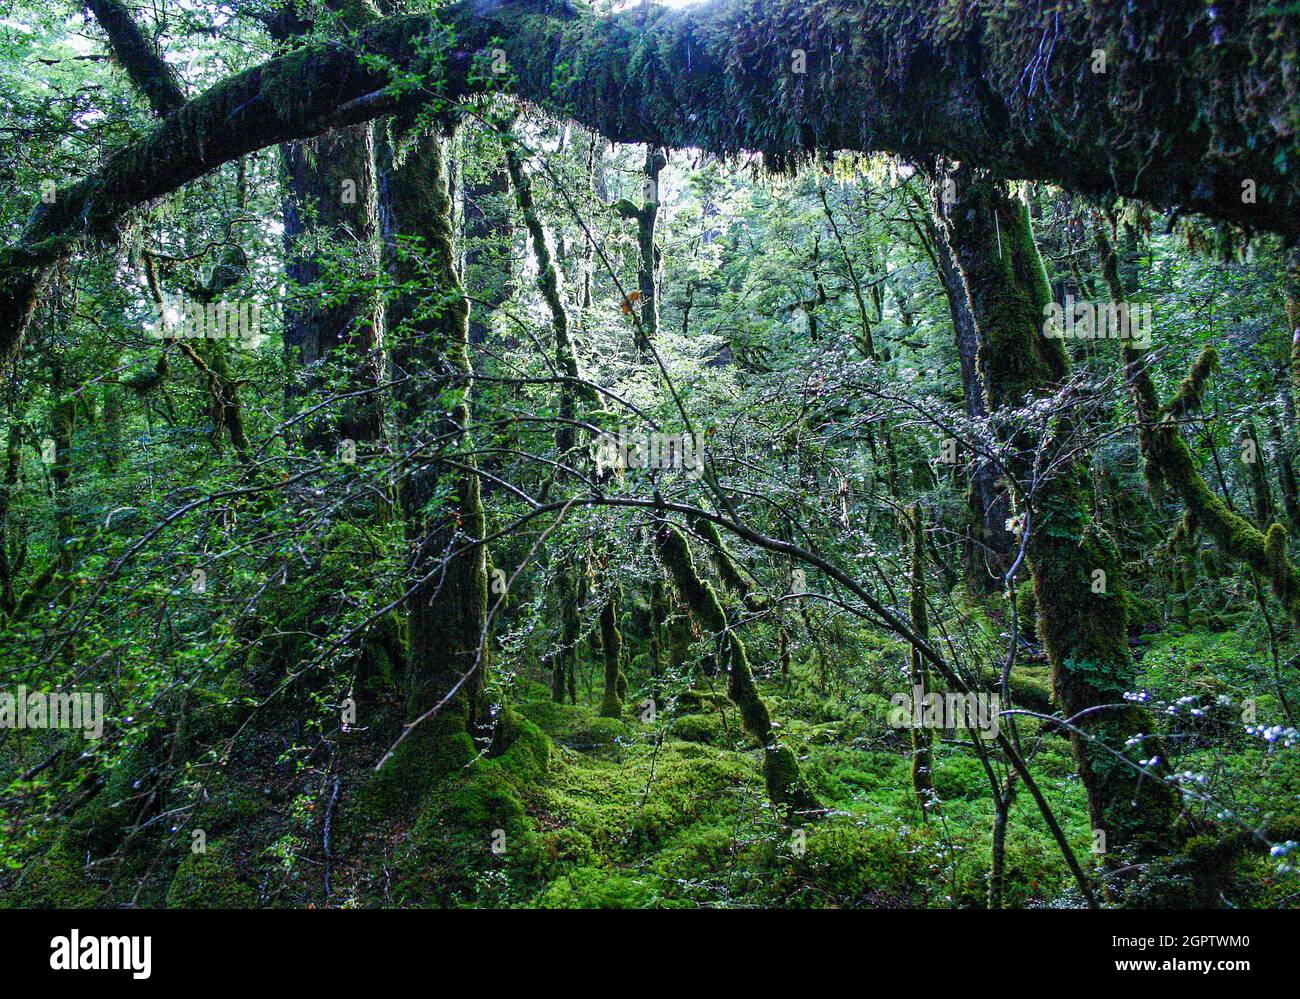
[[384, 611]]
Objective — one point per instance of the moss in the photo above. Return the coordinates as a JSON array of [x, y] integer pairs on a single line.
[[578, 726], [224, 805], [695, 699], [1141, 612], [211, 880], [55, 880], [475, 820], [1206, 874], [594, 888], [1027, 610], [553, 852], [847, 864], [100, 826], [438, 749], [706, 729]]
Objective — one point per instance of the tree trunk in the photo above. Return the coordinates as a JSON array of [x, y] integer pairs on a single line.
[[1075, 566], [429, 330], [330, 240], [611, 645], [995, 546], [922, 777], [785, 784]]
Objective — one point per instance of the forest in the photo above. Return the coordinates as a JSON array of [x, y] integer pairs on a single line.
[[731, 454]]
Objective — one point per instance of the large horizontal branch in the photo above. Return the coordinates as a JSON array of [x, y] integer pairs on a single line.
[[1178, 103]]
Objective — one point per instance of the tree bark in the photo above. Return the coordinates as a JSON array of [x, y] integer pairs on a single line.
[[922, 776], [995, 546], [142, 62]]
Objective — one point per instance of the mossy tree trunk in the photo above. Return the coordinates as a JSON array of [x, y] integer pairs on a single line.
[[488, 265], [564, 663], [428, 322], [1261, 497], [330, 240], [645, 212], [922, 770], [1291, 290], [785, 784], [1170, 464], [134, 53], [611, 647], [8, 489], [63, 425], [1075, 565], [993, 546], [571, 391], [658, 649], [913, 77], [1287, 483]]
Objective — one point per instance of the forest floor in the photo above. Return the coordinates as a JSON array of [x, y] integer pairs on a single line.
[[569, 809]]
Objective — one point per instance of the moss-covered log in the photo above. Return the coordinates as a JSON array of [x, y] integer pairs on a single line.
[[1177, 117]]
